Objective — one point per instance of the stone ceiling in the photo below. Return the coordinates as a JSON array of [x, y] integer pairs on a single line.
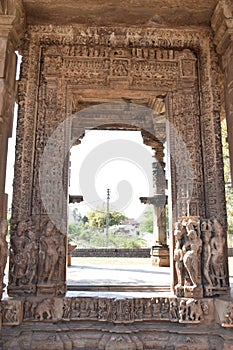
[[120, 12]]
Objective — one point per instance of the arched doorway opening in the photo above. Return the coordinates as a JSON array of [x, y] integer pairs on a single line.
[[119, 153]]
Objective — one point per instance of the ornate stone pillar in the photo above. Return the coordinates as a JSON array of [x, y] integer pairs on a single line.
[[7, 99], [222, 25], [11, 20], [159, 212], [160, 250], [11, 29]]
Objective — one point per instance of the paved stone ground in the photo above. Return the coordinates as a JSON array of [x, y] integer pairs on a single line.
[[117, 271], [109, 272]]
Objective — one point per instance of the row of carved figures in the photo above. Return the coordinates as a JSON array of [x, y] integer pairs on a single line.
[[104, 309], [199, 257], [36, 256]]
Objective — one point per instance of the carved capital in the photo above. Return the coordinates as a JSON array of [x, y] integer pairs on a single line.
[[12, 21], [222, 25]]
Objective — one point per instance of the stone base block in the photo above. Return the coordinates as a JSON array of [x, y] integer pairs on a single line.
[[107, 323], [52, 289], [160, 256], [16, 291]]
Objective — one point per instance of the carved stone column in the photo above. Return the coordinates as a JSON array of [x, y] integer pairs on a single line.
[[159, 212], [7, 97], [222, 25], [160, 251], [11, 30]]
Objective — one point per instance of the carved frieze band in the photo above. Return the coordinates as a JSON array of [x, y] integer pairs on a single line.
[[179, 310]]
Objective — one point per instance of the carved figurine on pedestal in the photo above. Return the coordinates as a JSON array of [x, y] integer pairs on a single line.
[[3, 252], [187, 256], [206, 229], [19, 255], [24, 252], [178, 254], [32, 252], [192, 250], [48, 253], [218, 260]]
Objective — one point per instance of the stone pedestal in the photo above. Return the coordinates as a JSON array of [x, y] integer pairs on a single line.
[[70, 249], [160, 255]]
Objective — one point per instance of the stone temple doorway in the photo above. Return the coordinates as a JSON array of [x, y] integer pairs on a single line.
[[68, 86], [91, 60]]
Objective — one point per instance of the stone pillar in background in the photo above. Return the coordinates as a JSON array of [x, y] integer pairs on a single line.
[[160, 251], [159, 211], [11, 20], [222, 25]]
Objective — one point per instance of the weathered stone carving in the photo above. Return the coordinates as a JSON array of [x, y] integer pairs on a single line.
[[214, 258], [228, 321], [200, 242], [192, 311], [3, 253], [175, 310], [68, 61], [12, 313], [52, 257], [24, 255], [187, 257]]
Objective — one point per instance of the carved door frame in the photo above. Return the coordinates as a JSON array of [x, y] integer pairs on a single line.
[[180, 64]]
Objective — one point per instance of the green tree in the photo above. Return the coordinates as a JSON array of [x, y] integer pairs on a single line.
[[146, 224], [97, 218]]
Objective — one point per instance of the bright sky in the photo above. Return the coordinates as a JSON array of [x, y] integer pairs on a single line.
[[106, 159]]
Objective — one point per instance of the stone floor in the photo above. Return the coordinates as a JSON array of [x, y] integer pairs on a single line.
[[120, 277]]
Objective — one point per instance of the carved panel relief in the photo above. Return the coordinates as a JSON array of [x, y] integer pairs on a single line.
[[200, 259], [117, 311]]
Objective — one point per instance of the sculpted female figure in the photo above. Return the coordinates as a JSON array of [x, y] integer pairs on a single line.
[[218, 260], [48, 253], [206, 229], [178, 254], [192, 248], [20, 257]]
